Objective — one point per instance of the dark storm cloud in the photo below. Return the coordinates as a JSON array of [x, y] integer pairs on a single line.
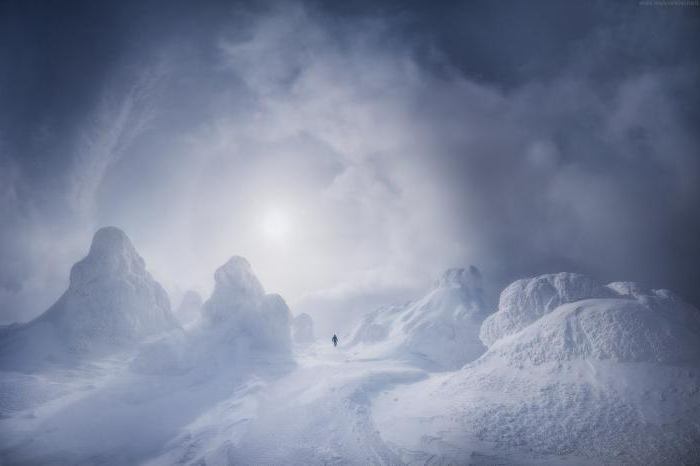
[[406, 138]]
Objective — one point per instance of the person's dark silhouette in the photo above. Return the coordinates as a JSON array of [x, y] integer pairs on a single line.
[[335, 340]]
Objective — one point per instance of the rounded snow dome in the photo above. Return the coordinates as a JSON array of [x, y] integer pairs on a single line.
[[618, 329], [524, 301]]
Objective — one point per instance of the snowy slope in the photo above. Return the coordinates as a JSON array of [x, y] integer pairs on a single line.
[[601, 380], [111, 303], [440, 330]]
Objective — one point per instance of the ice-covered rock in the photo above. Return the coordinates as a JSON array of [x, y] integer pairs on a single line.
[[441, 329], [303, 329], [526, 300], [111, 302], [190, 308]]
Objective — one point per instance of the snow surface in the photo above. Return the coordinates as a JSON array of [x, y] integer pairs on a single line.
[[439, 330], [590, 380]]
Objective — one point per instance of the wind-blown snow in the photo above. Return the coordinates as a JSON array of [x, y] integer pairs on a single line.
[[440, 330]]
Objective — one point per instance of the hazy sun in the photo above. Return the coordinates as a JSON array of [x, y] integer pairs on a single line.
[[276, 225]]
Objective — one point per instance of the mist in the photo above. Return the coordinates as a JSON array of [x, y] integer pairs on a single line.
[[394, 141]]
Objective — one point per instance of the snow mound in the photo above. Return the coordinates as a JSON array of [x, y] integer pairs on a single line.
[[111, 302], [623, 330], [190, 308], [440, 330], [611, 380], [303, 329], [526, 300]]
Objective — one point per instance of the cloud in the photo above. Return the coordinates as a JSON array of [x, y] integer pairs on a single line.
[[395, 155]]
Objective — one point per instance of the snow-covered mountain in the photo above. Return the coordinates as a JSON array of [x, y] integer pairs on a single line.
[[303, 329], [441, 329], [111, 303], [576, 370]]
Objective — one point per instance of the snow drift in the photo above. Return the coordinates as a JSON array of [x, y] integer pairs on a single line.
[[440, 330], [111, 303], [612, 379]]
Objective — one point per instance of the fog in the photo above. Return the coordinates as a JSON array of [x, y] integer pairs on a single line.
[[351, 155]]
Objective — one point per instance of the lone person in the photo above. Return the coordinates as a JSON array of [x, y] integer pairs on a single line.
[[335, 340]]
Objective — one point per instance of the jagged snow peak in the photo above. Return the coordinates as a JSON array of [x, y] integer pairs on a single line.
[[111, 302], [438, 330]]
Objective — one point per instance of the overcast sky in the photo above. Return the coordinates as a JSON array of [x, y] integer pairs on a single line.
[[353, 152]]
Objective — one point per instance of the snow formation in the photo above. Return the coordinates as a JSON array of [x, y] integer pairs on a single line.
[[440, 330], [239, 304], [111, 302], [611, 379], [524, 301], [239, 322], [303, 329]]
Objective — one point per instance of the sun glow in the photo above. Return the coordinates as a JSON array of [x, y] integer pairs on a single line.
[[276, 225]]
